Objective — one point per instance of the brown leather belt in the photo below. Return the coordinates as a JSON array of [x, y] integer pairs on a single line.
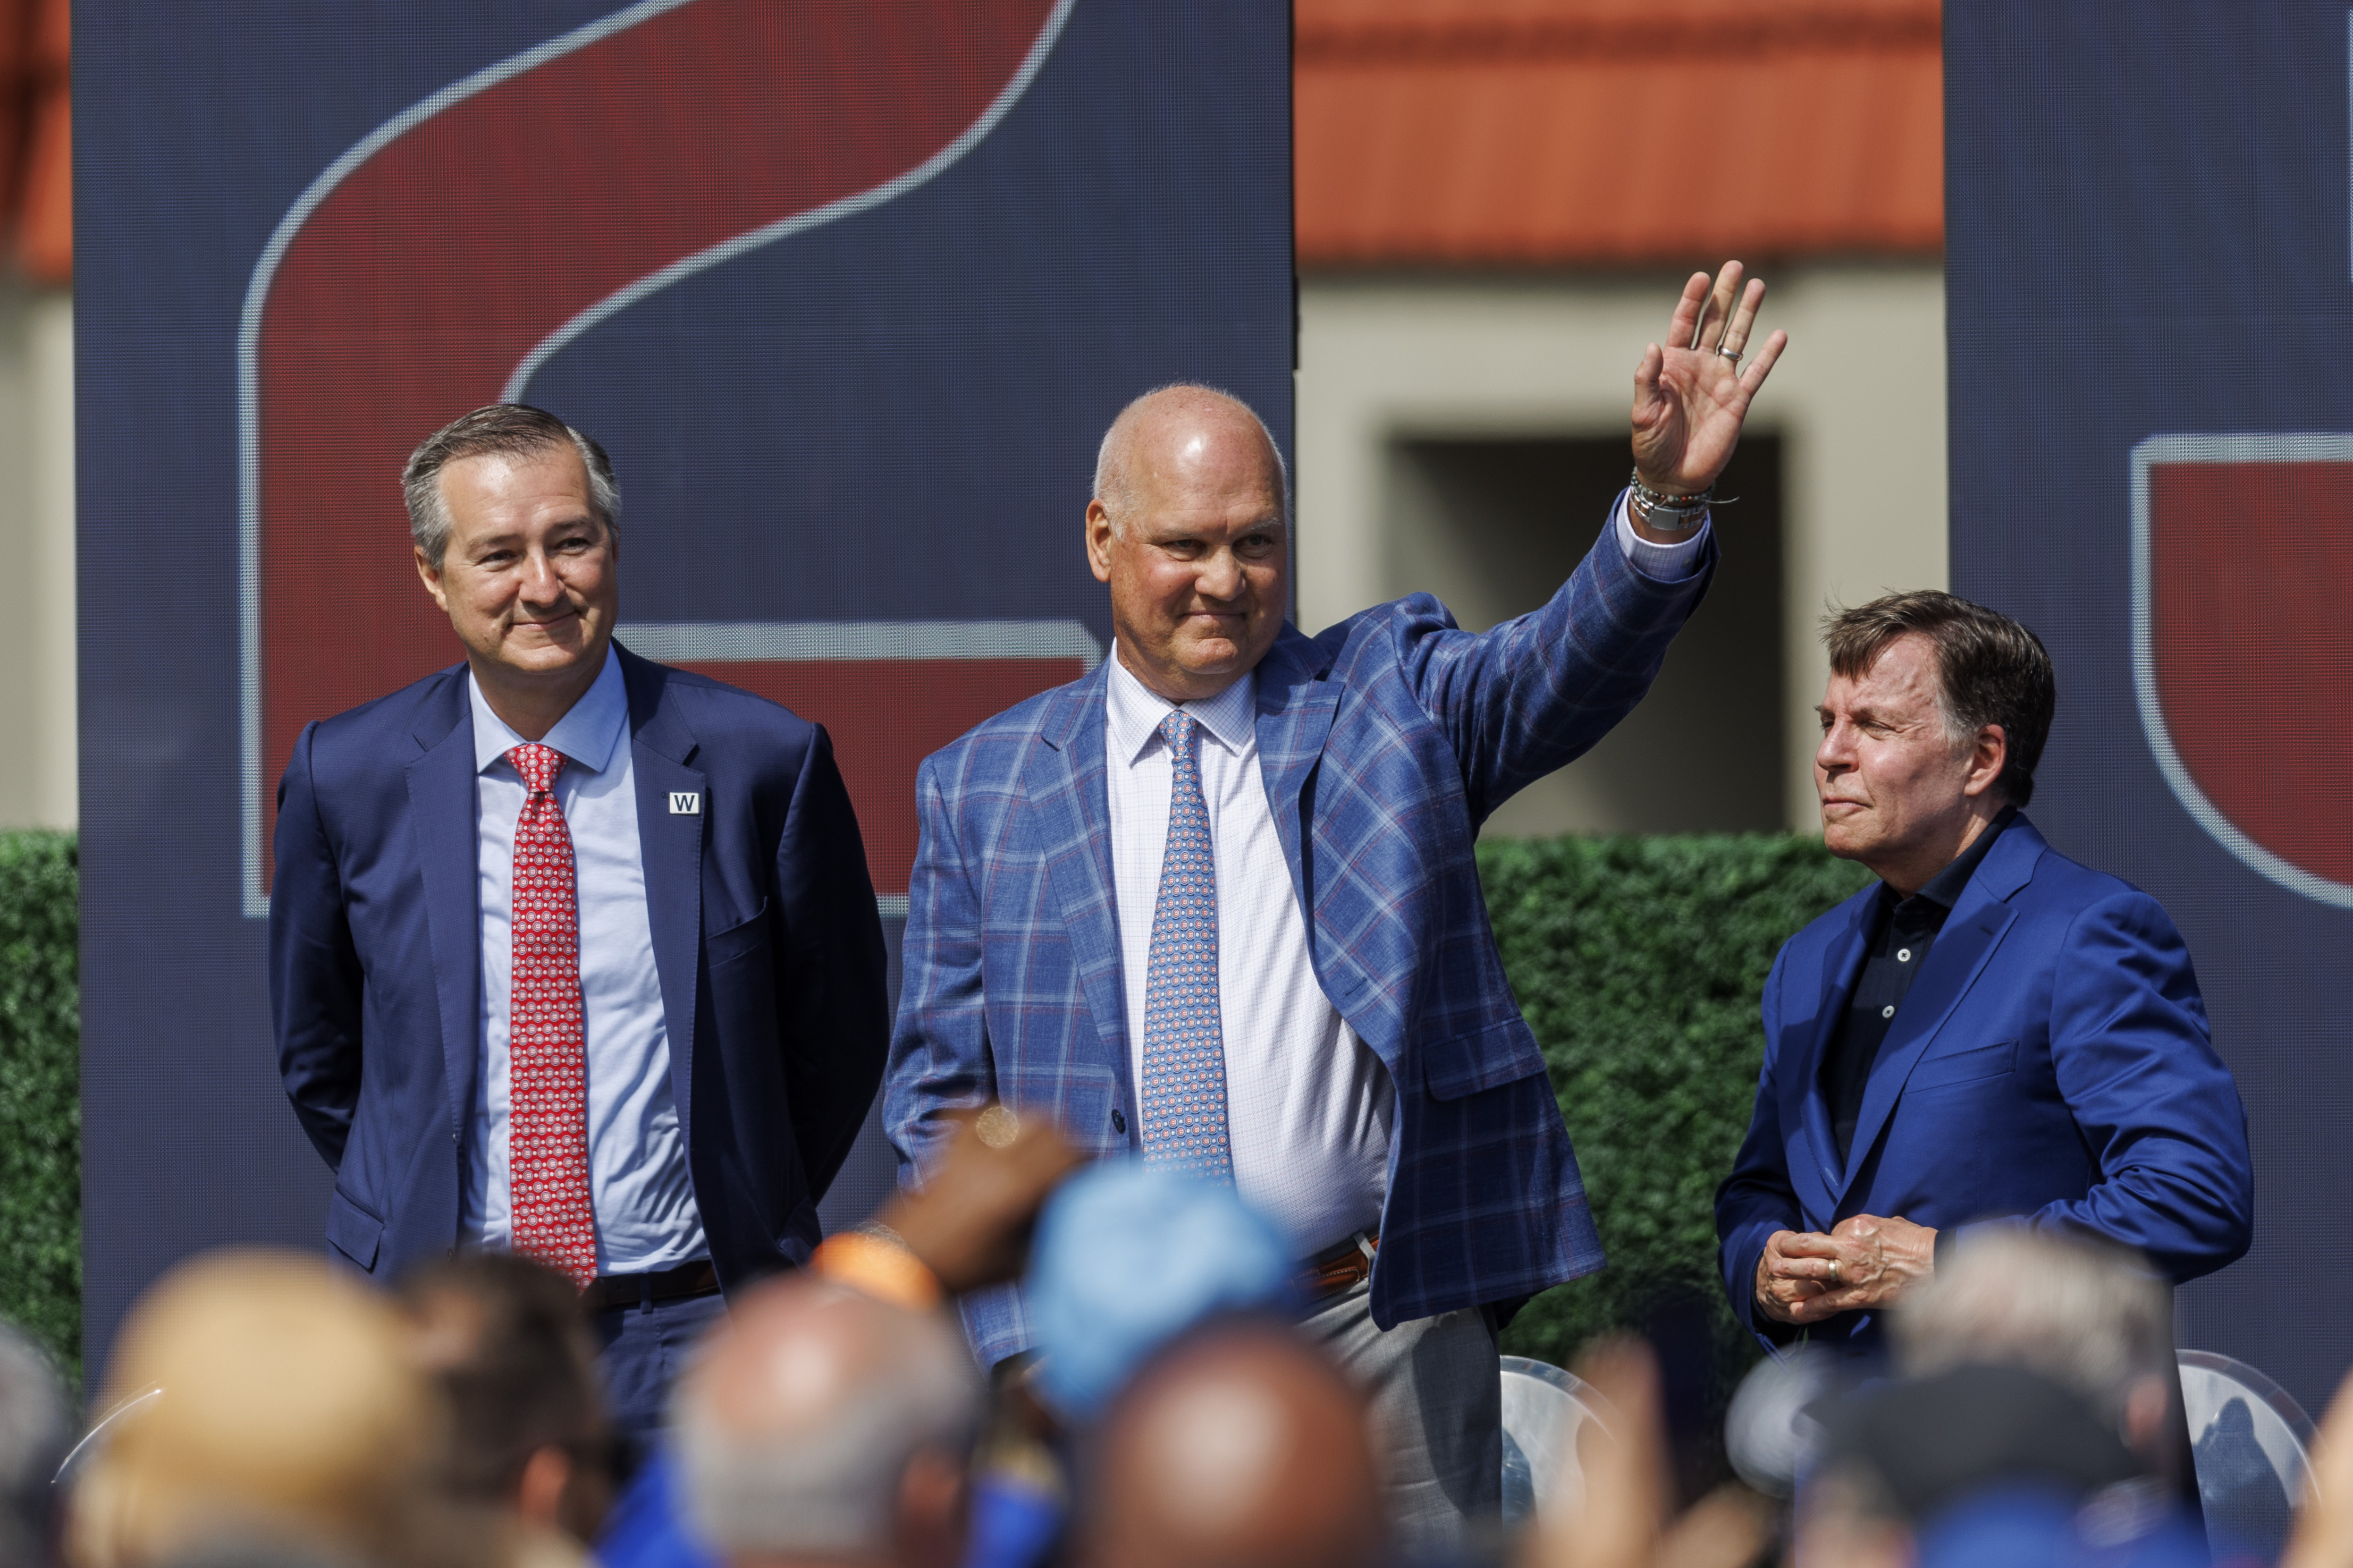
[[607, 1291], [1337, 1270]]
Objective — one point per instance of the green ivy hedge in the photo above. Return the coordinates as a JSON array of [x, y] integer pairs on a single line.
[[40, 1091], [1640, 962]]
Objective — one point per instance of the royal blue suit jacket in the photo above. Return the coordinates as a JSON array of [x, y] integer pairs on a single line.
[[1383, 744], [764, 931], [2051, 1067]]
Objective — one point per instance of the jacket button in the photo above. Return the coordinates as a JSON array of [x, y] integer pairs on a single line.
[[1118, 1120]]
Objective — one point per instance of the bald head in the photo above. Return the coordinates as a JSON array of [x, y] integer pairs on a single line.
[[290, 1411], [1240, 1449], [1186, 433], [1189, 529], [810, 1418]]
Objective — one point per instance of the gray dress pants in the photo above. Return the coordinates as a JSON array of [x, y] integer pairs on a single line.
[[1438, 1416]]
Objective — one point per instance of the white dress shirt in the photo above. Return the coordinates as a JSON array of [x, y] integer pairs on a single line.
[[1309, 1107], [645, 1218]]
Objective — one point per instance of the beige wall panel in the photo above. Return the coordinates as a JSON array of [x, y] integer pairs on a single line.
[[1859, 400]]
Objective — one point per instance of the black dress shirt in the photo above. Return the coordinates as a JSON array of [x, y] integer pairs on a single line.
[[1903, 930]]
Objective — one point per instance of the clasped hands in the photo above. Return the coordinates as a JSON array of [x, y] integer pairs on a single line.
[[1804, 1278]]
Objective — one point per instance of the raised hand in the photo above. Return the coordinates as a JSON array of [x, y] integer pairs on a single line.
[[1692, 396]]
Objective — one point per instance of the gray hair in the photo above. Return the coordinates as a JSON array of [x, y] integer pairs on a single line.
[[2087, 1315], [502, 429], [33, 1433], [831, 1486], [1113, 487]]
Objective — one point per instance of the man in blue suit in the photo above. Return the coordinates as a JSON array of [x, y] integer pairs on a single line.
[[571, 953], [1216, 905], [1990, 1034]]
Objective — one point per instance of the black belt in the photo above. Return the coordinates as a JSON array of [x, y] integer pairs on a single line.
[[607, 1291]]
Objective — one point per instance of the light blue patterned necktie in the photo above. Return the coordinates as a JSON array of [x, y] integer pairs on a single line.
[[1182, 1095]]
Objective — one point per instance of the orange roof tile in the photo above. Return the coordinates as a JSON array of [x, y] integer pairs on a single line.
[[1551, 131]]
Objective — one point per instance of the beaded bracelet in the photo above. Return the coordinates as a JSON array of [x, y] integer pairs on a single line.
[[1666, 512]]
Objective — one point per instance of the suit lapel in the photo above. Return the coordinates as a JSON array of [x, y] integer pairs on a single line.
[[1959, 955], [1064, 782], [669, 844], [1802, 1099], [442, 806], [1294, 718]]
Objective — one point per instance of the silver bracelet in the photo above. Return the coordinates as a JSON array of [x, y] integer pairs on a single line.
[[1665, 514]]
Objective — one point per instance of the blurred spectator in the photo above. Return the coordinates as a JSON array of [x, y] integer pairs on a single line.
[[2087, 1315], [517, 1364], [2038, 1420], [33, 1432], [1129, 1257], [1243, 1447], [1618, 1517], [2323, 1530], [826, 1426], [292, 1419], [969, 1226]]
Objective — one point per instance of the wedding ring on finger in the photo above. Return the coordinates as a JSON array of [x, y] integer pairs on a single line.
[[1834, 1278], [1720, 351]]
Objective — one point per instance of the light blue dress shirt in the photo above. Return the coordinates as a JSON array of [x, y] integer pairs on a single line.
[[645, 1218]]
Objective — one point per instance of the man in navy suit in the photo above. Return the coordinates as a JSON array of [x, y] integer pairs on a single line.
[[1990, 1034], [571, 953], [1216, 905]]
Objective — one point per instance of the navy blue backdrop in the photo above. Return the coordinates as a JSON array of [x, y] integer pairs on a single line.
[[854, 428], [2149, 264]]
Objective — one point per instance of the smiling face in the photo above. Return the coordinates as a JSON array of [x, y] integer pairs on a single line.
[[1899, 792], [1198, 555], [530, 577]]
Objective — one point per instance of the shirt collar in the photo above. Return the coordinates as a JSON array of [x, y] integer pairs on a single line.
[[1944, 889], [587, 735], [1134, 712]]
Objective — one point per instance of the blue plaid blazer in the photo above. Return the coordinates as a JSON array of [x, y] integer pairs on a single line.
[[1384, 744]]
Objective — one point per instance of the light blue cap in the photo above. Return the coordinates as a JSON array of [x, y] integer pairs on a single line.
[[1128, 1257]]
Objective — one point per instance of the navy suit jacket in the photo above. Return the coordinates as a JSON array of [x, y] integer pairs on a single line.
[[1383, 744], [764, 932], [2051, 1067]]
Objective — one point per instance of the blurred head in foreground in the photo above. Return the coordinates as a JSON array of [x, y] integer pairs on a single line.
[[2085, 1315], [1130, 1256], [505, 1339], [824, 1426], [2036, 1401], [1243, 1447], [291, 1418], [32, 1440]]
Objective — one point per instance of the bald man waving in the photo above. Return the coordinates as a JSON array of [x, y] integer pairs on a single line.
[[1214, 905]]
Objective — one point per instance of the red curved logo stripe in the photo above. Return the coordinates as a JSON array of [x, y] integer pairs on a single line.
[[420, 281]]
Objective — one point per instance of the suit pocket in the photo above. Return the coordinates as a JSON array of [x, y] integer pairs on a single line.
[[727, 946], [1963, 1067], [1486, 1059], [353, 1232]]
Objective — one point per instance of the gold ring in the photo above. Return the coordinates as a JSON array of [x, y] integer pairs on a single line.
[[1834, 1278]]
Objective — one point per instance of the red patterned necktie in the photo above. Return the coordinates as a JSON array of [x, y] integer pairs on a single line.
[[547, 1053]]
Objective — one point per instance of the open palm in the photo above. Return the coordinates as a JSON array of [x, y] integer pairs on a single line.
[[1690, 399]]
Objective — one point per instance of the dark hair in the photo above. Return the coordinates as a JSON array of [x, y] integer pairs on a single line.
[[1989, 670], [512, 1352], [503, 429]]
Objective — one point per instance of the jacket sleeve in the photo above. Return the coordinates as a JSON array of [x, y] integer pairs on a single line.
[[939, 1053], [2154, 1106], [1532, 695], [316, 984], [833, 1006], [1756, 1199]]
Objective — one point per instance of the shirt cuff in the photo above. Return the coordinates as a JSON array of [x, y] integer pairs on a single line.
[[1661, 563]]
